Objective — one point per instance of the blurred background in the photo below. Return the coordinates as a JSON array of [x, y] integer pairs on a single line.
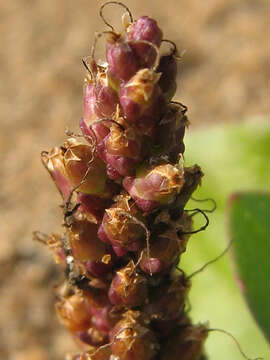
[[224, 80]]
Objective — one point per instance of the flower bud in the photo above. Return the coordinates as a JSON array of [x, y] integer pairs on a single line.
[[82, 165], [139, 94], [118, 147], [92, 206], [123, 149], [106, 100], [164, 252], [54, 163], [100, 268], [128, 288], [132, 339], [84, 242], [154, 187], [144, 29], [121, 225], [100, 100], [103, 316], [74, 313], [122, 62]]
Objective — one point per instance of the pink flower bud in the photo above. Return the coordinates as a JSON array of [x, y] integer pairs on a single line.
[[121, 225], [144, 29], [92, 206], [100, 100], [103, 316], [128, 288], [118, 147], [100, 268], [164, 252], [106, 100], [122, 62], [122, 149], [54, 163], [154, 187], [139, 94], [82, 165]]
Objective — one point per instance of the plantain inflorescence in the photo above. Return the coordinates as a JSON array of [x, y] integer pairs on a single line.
[[124, 188]]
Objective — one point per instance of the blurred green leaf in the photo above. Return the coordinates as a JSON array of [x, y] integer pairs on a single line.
[[249, 228], [233, 157]]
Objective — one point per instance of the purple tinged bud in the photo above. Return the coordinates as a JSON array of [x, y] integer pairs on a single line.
[[152, 265], [118, 147], [164, 252], [106, 100], [122, 226], [92, 206], [122, 62], [99, 100], [145, 28], [128, 288], [101, 318], [158, 185], [54, 163], [139, 94], [98, 269]]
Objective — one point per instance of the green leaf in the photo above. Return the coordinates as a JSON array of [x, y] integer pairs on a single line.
[[234, 158], [249, 226]]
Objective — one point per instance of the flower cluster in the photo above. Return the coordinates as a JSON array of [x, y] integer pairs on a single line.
[[124, 188]]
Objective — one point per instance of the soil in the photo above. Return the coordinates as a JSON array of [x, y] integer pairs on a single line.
[[224, 77]]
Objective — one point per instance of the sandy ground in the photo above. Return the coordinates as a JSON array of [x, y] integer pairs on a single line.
[[224, 78]]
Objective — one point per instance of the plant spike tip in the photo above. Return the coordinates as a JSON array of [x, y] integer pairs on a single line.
[[124, 194]]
